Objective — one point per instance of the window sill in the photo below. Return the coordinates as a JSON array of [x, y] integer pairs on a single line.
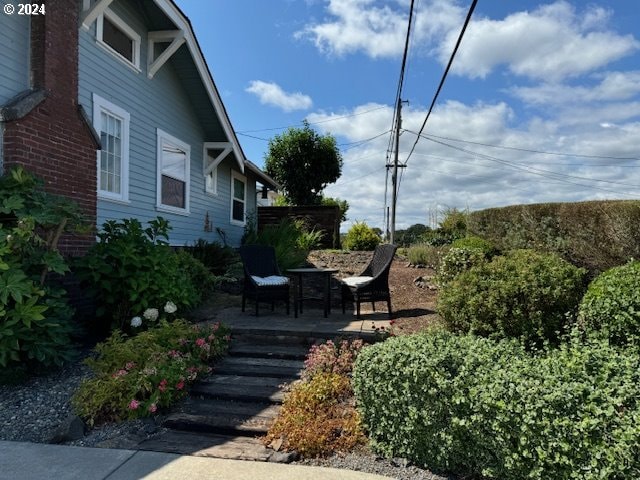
[[106, 198], [211, 194], [175, 210]]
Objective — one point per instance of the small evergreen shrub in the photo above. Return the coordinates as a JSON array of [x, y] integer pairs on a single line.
[[474, 406], [426, 255], [318, 417], [476, 243], [524, 294], [201, 278], [35, 318], [138, 376], [612, 304], [131, 269], [361, 237], [456, 261]]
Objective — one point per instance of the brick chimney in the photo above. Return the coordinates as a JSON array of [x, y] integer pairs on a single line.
[[53, 139]]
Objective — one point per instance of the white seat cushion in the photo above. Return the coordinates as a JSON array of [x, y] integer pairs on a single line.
[[271, 280], [355, 281]]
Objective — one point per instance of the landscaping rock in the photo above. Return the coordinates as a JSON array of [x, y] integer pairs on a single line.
[[284, 457], [72, 428]]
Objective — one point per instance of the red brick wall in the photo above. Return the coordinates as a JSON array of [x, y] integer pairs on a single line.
[[53, 141]]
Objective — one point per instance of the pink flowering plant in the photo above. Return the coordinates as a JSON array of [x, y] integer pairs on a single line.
[[332, 357], [138, 376]]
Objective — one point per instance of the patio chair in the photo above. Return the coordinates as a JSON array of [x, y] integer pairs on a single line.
[[262, 278], [372, 285]]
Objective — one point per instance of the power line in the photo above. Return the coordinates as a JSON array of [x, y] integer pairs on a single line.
[[444, 75], [537, 171], [561, 154]]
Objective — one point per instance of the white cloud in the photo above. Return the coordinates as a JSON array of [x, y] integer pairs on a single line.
[[470, 175], [614, 86], [551, 43], [270, 93]]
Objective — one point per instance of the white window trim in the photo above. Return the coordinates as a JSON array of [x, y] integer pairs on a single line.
[[163, 136], [205, 165], [131, 33], [99, 105], [243, 179]]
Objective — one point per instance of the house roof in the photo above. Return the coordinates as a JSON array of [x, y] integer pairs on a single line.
[[263, 178], [201, 80]]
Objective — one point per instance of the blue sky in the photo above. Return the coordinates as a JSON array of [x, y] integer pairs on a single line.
[[556, 82]]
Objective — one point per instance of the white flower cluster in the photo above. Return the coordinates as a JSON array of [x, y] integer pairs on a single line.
[[136, 322], [151, 314], [170, 307]]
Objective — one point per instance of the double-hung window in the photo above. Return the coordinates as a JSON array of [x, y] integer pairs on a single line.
[[119, 38], [238, 198], [112, 123], [174, 157]]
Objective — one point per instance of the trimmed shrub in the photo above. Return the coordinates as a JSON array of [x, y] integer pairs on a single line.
[[318, 417], [475, 243], [361, 237], [612, 304], [131, 269], [524, 294], [477, 407], [136, 377], [456, 261], [596, 235], [426, 255], [219, 259], [201, 278]]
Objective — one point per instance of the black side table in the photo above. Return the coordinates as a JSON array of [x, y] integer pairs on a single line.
[[298, 274]]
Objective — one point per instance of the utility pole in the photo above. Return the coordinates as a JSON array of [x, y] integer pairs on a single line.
[[394, 176]]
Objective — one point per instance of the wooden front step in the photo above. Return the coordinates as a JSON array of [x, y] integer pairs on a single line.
[[219, 416], [241, 388], [259, 367]]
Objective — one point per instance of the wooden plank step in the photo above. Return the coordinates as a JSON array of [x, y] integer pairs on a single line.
[[284, 352], [212, 406], [208, 445], [221, 416], [240, 388], [259, 367]]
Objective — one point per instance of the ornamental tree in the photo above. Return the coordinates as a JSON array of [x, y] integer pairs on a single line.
[[303, 162]]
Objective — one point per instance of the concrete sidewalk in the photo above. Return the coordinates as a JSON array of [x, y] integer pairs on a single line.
[[35, 461]]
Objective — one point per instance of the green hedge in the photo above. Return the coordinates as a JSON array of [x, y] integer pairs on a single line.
[[612, 304], [478, 407], [523, 294], [595, 235]]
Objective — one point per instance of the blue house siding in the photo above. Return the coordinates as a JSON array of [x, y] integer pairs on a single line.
[[158, 103], [14, 54]]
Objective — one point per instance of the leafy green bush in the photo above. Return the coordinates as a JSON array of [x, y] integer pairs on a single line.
[[478, 407], [361, 237], [318, 418], [136, 377], [425, 254], [476, 243], [290, 239], [612, 304], [35, 318], [201, 278], [131, 269], [219, 259], [456, 261], [524, 294]]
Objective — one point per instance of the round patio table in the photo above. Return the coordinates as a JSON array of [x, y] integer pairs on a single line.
[[298, 273]]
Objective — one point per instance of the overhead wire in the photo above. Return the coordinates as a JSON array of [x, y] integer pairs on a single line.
[[444, 75]]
